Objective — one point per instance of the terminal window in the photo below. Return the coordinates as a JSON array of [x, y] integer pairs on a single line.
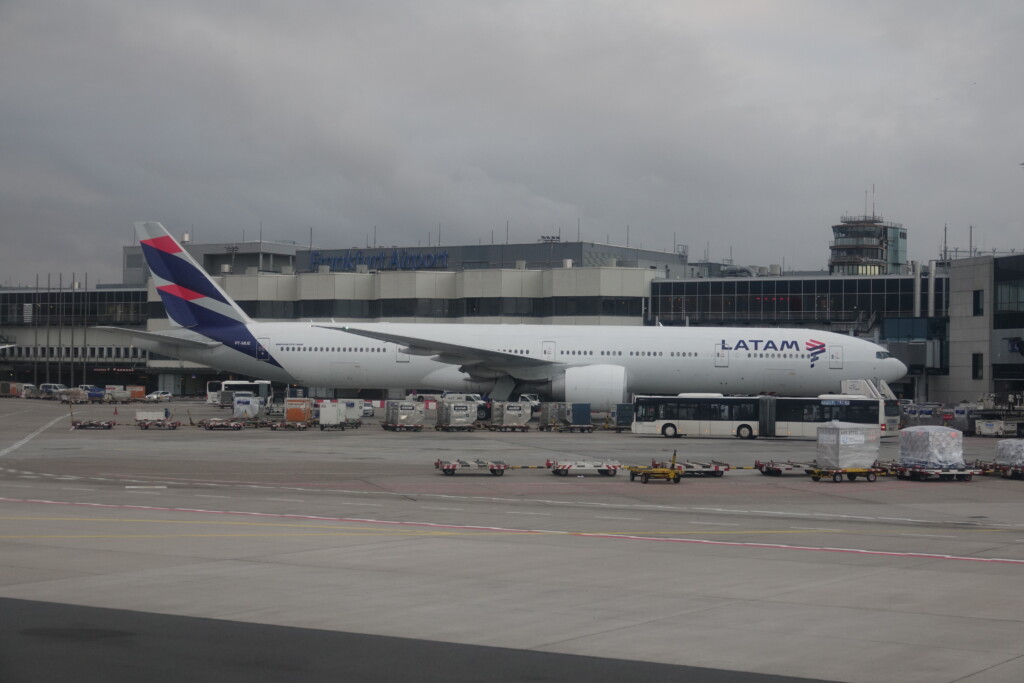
[[979, 302], [977, 366]]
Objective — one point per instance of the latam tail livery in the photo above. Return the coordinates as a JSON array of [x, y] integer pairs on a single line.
[[600, 365]]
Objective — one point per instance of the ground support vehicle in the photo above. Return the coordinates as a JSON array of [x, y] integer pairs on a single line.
[[508, 428], [1005, 471], [850, 474], [457, 428], [294, 426], [450, 467], [93, 424], [220, 423], [117, 396], [924, 473], [606, 468], [582, 429], [689, 468], [401, 427], [775, 469], [162, 423]]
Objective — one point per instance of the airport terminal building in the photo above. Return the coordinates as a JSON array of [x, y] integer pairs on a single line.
[[958, 324]]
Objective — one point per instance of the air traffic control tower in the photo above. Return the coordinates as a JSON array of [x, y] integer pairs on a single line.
[[868, 245]]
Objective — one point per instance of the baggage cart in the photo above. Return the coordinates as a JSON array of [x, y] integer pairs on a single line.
[[773, 468], [605, 468], [924, 472], [93, 424], [450, 467], [401, 416], [691, 468]]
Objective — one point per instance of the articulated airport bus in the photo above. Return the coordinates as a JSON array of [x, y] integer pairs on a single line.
[[258, 387], [751, 416]]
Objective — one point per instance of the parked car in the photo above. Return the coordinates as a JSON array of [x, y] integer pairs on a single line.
[[367, 409], [158, 396]]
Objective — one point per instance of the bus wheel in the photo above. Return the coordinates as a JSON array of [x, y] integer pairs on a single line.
[[669, 431], [745, 432]]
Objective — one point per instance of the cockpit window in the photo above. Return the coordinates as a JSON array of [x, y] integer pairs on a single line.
[[881, 355]]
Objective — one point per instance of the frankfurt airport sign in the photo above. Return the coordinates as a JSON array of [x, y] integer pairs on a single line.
[[394, 259]]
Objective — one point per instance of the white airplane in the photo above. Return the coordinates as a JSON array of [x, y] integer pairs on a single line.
[[600, 365]]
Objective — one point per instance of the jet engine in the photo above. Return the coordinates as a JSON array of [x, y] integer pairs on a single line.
[[602, 386]]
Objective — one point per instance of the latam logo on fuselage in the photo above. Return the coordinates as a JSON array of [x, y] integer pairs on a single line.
[[813, 347]]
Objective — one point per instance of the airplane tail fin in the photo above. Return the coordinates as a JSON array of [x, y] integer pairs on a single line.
[[191, 298]]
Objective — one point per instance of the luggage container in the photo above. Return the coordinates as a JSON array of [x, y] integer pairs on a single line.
[[341, 414], [298, 410], [565, 417], [456, 416], [401, 416], [509, 416], [246, 407]]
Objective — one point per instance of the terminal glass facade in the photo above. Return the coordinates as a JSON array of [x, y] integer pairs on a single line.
[[780, 300]]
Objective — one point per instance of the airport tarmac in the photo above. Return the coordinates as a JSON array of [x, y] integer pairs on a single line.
[[357, 533]]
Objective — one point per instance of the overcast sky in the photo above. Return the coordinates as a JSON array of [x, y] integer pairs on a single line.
[[743, 128]]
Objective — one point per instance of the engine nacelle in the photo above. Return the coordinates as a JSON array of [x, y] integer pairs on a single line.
[[602, 386]]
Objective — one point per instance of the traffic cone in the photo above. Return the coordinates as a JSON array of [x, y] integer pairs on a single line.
[[115, 410]]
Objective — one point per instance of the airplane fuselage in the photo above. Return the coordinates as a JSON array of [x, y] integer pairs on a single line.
[[658, 360]]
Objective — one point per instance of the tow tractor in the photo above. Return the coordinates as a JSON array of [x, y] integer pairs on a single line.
[[450, 467], [606, 468], [646, 473]]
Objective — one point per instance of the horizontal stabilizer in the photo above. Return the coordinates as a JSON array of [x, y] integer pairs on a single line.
[[162, 338]]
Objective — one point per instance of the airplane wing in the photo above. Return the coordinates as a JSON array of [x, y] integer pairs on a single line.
[[162, 338], [447, 352]]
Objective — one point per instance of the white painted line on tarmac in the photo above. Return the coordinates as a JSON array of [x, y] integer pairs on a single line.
[[927, 536], [288, 500], [18, 444], [446, 509], [628, 519], [75, 488], [577, 534], [209, 495]]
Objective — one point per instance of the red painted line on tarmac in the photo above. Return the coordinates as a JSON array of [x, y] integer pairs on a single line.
[[463, 527]]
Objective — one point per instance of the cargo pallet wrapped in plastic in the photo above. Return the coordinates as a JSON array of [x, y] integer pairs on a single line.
[[1010, 452], [931, 447], [844, 446]]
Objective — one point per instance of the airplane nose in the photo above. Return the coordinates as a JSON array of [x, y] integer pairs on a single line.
[[899, 369]]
